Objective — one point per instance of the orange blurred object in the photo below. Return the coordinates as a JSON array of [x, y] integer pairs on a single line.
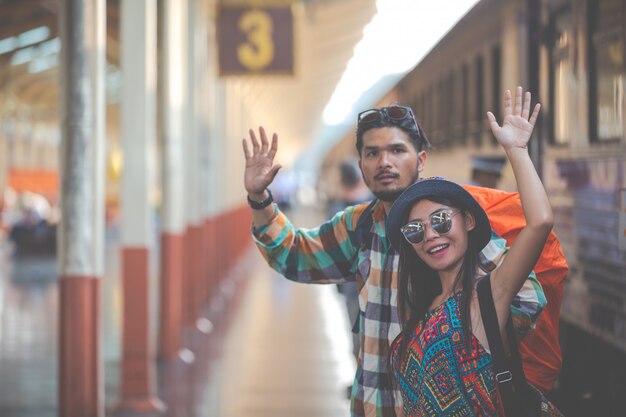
[[40, 181]]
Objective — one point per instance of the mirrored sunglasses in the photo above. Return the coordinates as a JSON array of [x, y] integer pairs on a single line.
[[441, 222]]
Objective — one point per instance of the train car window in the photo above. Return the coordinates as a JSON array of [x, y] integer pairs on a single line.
[[416, 105], [607, 69], [478, 116], [453, 115], [421, 108], [430, 111], [465, 103], [496, 78], [441, 110], [562, 78]]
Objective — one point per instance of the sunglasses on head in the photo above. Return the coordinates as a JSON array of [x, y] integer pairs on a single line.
[[441, 222], [396, 113]]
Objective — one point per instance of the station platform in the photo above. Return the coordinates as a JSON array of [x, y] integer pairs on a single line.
[[263, 346]]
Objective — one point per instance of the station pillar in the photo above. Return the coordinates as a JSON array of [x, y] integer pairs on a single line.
[[81, 230], [138, 121]]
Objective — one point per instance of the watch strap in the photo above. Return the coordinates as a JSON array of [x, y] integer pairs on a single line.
[[260, 205]]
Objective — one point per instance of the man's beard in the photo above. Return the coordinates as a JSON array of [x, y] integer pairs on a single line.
[[389, 196]]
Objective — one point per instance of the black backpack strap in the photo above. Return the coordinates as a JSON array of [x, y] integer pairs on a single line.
[[502, 369], [363, 227]]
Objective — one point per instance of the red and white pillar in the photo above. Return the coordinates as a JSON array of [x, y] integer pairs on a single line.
[[203, 17], [81, 237], [208, 73], [172, 177], [138, 117], [217, 242], [214, 150], [193, 242]]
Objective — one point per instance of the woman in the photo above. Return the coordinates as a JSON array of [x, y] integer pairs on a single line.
[[441, 358]]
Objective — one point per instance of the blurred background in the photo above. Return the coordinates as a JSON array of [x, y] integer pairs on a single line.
[[128, 277]]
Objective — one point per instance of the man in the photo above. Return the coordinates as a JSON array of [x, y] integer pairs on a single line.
[[487, 170], [392, 149], [351, 189]]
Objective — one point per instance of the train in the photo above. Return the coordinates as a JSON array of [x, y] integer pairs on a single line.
[[570, 55]]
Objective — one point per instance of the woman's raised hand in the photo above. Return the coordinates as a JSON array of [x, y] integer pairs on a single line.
[[517, 126]]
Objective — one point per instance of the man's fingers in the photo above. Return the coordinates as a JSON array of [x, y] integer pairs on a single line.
[[246, 151], [274, 148], [255, 143], [526, 107], [507, 103], [535, 115], [264, 141], [518, 101], [274, 171]]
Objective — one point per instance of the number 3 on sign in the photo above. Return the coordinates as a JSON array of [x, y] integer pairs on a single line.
[[258, 52]]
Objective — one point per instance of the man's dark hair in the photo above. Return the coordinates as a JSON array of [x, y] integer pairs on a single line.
[[409, 125]]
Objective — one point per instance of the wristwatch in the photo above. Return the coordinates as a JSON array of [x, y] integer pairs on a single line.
[[260, 205]]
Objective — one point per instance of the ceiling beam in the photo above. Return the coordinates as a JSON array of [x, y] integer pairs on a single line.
[[14, 27]]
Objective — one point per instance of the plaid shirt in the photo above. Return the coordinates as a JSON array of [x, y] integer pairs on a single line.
[[329, 254]]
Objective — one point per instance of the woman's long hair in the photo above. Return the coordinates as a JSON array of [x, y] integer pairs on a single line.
[[418, 285]]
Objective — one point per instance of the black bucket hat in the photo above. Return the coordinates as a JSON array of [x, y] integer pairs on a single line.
[[437, 187]]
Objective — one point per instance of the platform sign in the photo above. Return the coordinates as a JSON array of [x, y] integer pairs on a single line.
[[621, 239], [255, 39]]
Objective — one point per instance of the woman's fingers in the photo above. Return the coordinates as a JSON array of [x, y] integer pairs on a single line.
[[526, 107], [533, 117], [507, 103], [518, 101], [493, 123]]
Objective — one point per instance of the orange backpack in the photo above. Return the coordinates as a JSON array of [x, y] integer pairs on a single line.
[[540, 350]]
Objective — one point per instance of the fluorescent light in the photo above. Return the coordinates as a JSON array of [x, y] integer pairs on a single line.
[[33, 36], [30, 37]]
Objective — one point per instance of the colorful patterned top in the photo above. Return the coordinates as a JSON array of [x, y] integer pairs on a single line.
[[439, 375], [329, 254]]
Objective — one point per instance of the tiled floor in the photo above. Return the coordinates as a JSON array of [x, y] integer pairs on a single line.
[[274, 348], [28, 328], [287, 354]]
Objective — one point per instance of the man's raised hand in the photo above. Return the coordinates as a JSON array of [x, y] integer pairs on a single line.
[[260, 169]]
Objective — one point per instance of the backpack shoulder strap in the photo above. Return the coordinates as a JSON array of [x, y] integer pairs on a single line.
[[501, 366], [508, 371], [363, 226]]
